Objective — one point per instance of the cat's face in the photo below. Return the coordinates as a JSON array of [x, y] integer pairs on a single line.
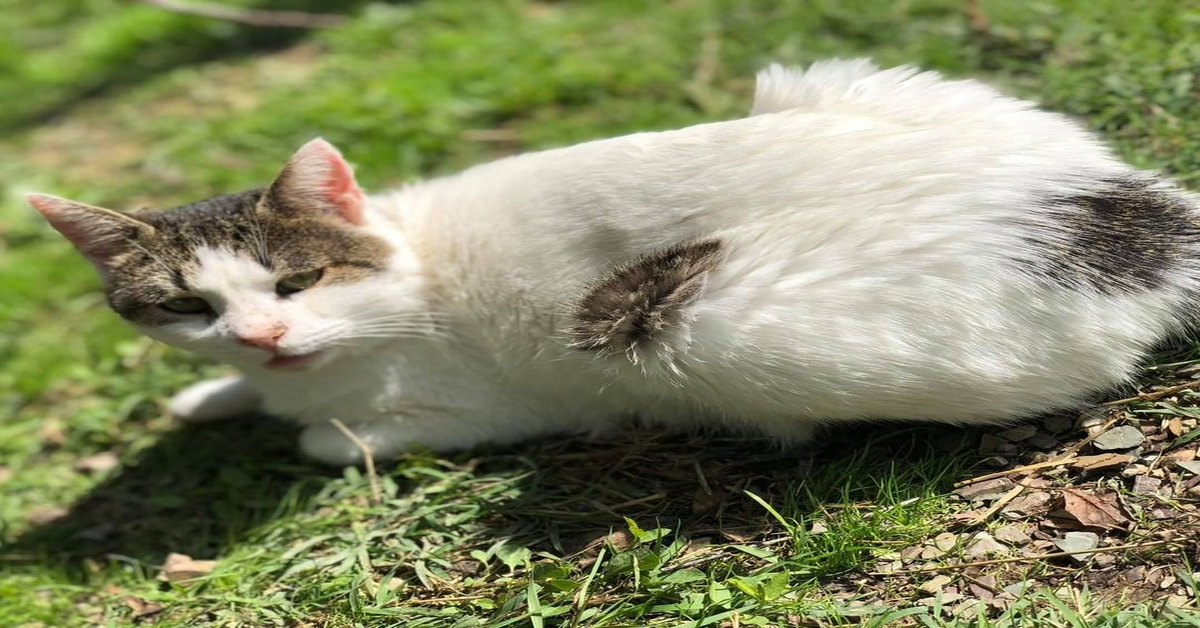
[[283, 278]]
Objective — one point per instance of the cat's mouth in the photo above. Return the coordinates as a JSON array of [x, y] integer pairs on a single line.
[[291, 361]]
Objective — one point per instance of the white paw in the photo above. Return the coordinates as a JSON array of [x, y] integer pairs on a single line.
[[329, 445], [214, 399]]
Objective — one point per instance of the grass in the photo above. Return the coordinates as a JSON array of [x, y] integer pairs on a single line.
[[123, 104]]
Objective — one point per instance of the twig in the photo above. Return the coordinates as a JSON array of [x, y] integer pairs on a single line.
[[1020, 488], [1151, 396], [1016, 470], [703, 480], [976, 16], [1018, 559], [368, 459], [254, 17], [611, 510], [451, 599]]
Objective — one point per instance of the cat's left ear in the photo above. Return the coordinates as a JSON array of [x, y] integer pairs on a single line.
[[317, 181], [100, 234]]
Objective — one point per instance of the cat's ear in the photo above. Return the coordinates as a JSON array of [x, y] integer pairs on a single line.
[[100, 234], [317, 180]]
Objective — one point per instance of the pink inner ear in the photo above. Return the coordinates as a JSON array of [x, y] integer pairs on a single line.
[[91, 234], [340, 188]]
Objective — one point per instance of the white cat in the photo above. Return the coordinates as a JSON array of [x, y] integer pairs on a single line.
[[867, 244]]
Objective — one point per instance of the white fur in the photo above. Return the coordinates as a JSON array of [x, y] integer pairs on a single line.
[[215, 399], [871, 220]]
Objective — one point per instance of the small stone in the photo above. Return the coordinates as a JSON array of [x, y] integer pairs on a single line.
[[935, 584], [930, 553], [1014, 534], [985, 491], [1167, 582], [1135, 575], [1092, 418], [1058, 424], [1191, 466], [1101, 461], [1123, 437], [1179, 601], [818, 527], [989, 444], [1019, 433], [1016, 589], [966, 611], [983, 544], [1146, 485], [945, 541], [1134, 469], [1077, 542], [1042, 440]]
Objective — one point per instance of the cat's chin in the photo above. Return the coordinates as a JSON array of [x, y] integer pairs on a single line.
[[293, 362]]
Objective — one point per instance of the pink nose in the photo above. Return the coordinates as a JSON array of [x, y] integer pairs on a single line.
[[267, 339]]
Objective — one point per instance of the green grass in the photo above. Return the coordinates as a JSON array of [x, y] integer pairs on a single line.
[[122, 104]]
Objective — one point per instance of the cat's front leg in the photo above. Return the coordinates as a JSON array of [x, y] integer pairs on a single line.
[[388, 438], [215, 399]]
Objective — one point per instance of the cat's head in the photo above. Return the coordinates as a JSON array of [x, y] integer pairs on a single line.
[[286, 277]]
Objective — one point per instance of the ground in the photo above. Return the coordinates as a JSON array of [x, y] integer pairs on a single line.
[[110, 512]]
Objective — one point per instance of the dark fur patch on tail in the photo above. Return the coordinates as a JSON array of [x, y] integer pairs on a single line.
[[1124, 237], [635, 301]]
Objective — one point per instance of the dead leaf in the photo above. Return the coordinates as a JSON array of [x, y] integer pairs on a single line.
[[41, 515], [1183, 455], [1175, 427], [704, 501], [1093, 511], [142, 608], [1101, 461], [1029, 504], [181, 567], [935, 584], [52, 433], [99, 463]]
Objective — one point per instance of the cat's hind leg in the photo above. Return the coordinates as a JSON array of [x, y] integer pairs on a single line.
[[214, 400]]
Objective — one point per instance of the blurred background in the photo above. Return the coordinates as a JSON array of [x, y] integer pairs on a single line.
[[135, 104]]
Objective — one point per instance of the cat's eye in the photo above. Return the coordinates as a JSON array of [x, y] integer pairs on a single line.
[[186, 305], [299, 281]]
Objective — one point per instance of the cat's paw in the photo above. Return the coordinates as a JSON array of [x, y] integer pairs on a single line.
[[214, 399], [330, 446]]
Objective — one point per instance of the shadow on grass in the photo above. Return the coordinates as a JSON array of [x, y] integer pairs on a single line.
[[203, 487], [195, 490]]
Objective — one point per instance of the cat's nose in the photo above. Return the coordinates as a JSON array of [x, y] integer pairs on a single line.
[[266, 339]]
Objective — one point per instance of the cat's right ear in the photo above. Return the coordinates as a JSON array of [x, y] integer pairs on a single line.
[[100, 234]]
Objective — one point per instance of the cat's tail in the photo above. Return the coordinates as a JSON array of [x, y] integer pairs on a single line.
[[849, 85], [780, 88]]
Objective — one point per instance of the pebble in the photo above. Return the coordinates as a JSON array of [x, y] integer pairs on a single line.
[[1146, 485], [1123, 437], [1014, 534], [983, 544], [1019, 433], [1192, 466], [1076, 541]]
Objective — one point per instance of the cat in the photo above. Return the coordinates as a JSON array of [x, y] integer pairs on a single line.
[[867, 244]]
